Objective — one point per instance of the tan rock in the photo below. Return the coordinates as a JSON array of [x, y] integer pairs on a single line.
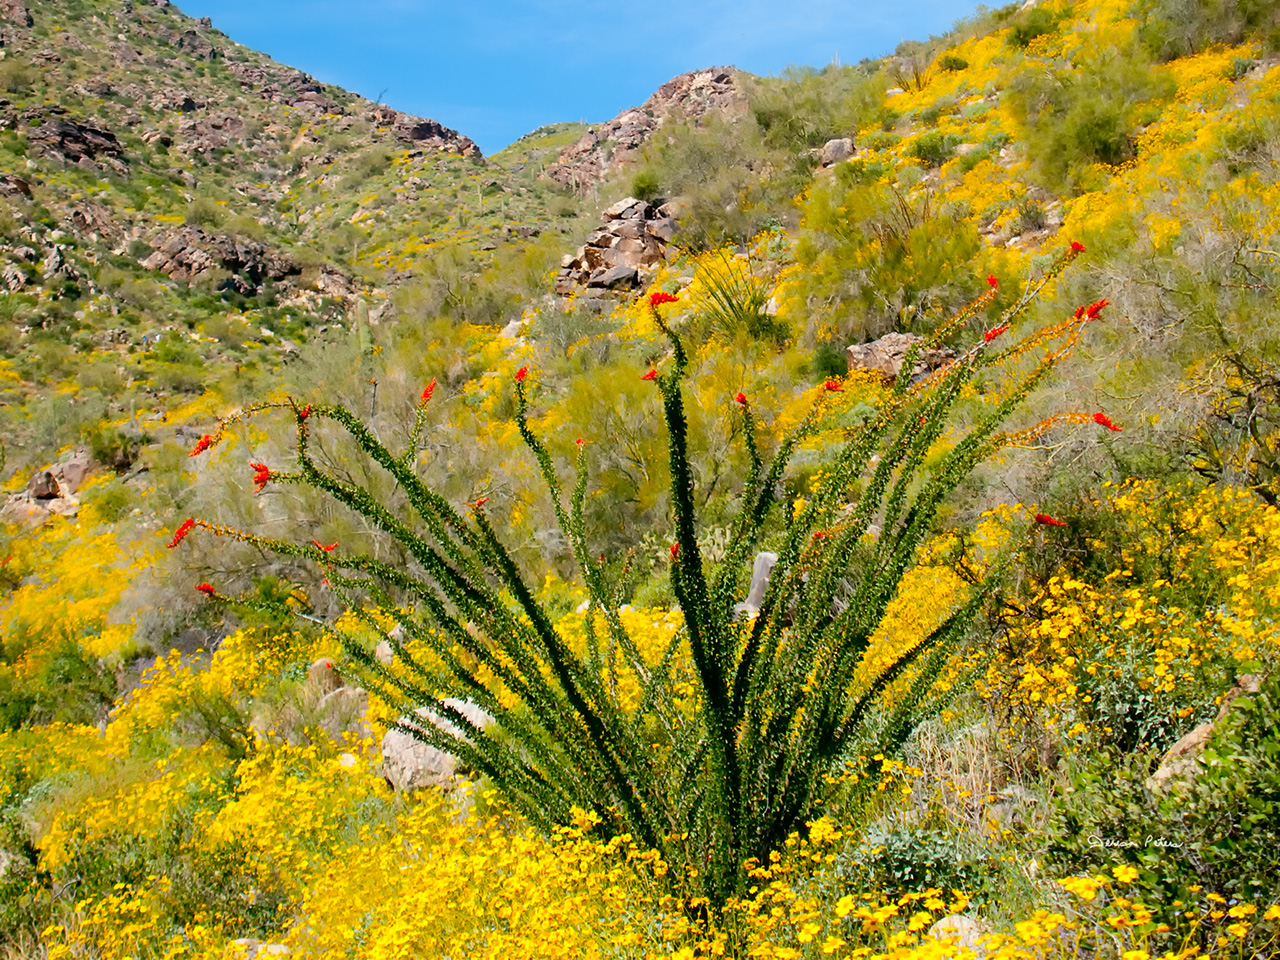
[[963, 933], [1183, 759]]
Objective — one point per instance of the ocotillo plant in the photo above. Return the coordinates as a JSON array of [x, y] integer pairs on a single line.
[[713, 780]]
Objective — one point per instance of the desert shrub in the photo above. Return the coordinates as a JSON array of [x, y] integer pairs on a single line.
[[805, 107], [1032, 216], [1036, 22], [902, 860], [758, 760], [934, 148], [16, 77], [205, 212], [951, 62], [1180, 28], [646, 185], [879, 253]]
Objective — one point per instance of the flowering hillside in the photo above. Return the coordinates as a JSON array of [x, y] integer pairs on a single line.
[[1011, 690]]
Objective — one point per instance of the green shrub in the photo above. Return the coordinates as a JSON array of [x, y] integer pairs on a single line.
[[935, 148], [646, 186], [1037, 22], [911, 860], [951, 62]]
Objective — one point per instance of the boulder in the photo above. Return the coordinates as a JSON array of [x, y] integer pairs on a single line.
[[343, 709], [44, 486], [410, 764], [962, 933], [189, 251], [886, 355], [621, 275], [834, 151], [1183, 759]]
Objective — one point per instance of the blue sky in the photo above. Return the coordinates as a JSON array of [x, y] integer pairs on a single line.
[[497, 70]]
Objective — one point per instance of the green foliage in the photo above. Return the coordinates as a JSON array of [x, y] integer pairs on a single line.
[[1036, 22], [805, 107], [16, 77], [645, 185], [951, 62], [1180, 28], [935, 148], [914, 859], [1216, 827], [1083, 116], [920, 263], [69, 687]]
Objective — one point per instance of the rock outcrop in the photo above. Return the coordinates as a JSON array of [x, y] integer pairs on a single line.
[[189, 252], [50, 493], [886, 356], [410, 764], [1183, 759], [425, 133], [632, 239], [72, 142], [15, 11], [605, 149]]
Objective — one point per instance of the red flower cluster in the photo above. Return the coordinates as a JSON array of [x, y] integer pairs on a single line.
[[992, 282], [304, 412], [479, 503], [1092, 310], [1045, 520], [181, 532], [580, 442], [741, 398], [661, 297], [833, 386], [203, 444], [675, 548], [428, 390], [1077, 246], [261, 476], [206, 589], [994, 332], [651, 375], [521, 374], [329, 549], [1104, 421]]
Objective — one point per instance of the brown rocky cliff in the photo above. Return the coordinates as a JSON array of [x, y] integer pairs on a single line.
[[605, 149]]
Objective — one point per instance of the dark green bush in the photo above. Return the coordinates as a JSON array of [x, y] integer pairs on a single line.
[[910, 860], [935, 148], [1037, 22], [951, 62]]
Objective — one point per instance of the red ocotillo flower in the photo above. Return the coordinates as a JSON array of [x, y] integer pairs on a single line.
[[1045, 520], [580, 442], [261, 476], [206, 589], [992, 282], [661, 297], [304, 412], [180, 534], [521, 374], [428, 390], [1077, 246], [994, 332], [329, 549], [833, 386], [203, 444], [1104, 421], [1080, 311], [477, 504], [651, 375], [675, 548], [1095, 308], [740, 398]]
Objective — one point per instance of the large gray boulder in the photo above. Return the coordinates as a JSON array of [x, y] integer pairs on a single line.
[[410, 764]]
